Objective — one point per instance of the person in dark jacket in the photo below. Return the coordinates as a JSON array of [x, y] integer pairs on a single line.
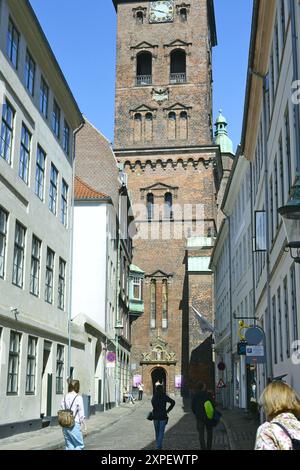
[[160, 413], [200, 397]]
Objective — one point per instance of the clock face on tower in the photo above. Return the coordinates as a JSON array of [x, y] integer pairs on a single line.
[[162, 11]]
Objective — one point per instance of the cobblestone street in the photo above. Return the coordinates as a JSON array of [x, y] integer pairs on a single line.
[[135, 432]]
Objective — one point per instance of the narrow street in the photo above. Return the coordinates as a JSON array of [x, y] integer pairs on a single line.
[[135, 432]]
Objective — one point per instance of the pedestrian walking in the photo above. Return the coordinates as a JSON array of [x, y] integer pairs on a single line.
[[281, 431], [129, 396], [73, 401], [200, 398], [141, 390], [160, 413]]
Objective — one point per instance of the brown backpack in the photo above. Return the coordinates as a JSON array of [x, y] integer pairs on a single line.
[[65, 417]]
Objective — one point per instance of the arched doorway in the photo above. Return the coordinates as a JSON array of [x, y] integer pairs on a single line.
[[159, 375]]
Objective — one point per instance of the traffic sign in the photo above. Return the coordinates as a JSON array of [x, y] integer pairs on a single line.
[[255, 351], [111, 356], [254, 335], [221, 384]]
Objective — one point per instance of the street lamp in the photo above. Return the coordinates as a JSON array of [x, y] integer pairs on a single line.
[[291, 219]]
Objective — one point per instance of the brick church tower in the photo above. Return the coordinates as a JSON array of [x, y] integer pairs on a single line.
[[163, 136]]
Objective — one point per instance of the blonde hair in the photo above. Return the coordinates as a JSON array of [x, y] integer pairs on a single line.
[[278, 397], [73, 386]]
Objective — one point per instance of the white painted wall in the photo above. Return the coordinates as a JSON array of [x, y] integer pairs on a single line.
[[90, 261]]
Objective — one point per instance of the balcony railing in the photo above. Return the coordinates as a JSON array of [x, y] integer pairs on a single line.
[[177, 78], [142, 80]]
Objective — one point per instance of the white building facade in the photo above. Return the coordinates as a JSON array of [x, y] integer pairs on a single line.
[[274, 158], [38, 118], [232, 263], [102, 254]]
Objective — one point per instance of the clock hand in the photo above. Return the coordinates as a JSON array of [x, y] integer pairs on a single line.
[[160, 11]]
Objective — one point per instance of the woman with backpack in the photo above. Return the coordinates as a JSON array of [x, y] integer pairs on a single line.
[[73, 402], [281, 431], [160, 413]]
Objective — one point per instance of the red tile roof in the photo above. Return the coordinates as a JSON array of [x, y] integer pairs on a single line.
[[84, 191]]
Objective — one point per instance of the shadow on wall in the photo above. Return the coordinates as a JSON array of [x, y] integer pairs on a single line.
[[201, 366]]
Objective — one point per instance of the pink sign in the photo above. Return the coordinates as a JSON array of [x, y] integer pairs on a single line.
[[178, 381], [137, 379]]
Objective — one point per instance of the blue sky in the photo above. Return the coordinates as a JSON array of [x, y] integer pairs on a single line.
[[83, 38]]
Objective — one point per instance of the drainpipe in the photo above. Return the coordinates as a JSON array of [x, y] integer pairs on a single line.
[[228, 218], [231, 317], [269, 363], [295, 78], [71, 251]]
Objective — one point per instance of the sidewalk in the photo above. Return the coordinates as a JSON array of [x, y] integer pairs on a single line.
[[240, 428], [51, 438]]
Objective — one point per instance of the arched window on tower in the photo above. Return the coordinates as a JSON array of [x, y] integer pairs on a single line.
[[148, 127], [165, 303], [150, 206], [183, 14], [183, 125], [144, 68], [168, 206], [137, 127], [178, 66], [172, 126], [139, 17], [153, 304]]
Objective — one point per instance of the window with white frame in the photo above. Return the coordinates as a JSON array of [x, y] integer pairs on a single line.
[[280, 323], [3, 235], [274, 321], [53, 189], [7, 125], [19, 252], [294, 303], [29, 73], [64, 203], [61, 284], [35, 266], [31, 365], [49, 276], [59, 369], [286, 316], [66, 138], [13, 40], [40, 173], [288, 145], [137, 288], [281, 170], [13, 363], [56, 119], [44, 98], [24, 154]]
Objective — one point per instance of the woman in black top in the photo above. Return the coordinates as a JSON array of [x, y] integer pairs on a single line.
[[160, 413]]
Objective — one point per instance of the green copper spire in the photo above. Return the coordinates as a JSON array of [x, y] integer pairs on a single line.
[[221, 135]]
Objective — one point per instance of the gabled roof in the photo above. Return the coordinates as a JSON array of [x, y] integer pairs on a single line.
[[83, 191]]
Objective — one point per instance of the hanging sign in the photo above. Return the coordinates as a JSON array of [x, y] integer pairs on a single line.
[[110, 359]]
